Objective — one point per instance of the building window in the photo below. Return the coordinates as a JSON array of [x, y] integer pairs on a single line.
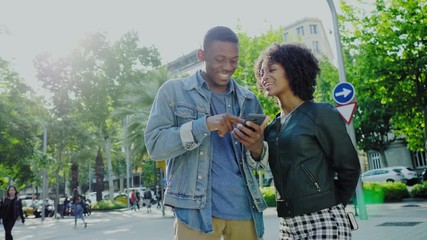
[[374, 160], [313, 28], [300, 31], [420, 160], [316, 48], [286, 36]]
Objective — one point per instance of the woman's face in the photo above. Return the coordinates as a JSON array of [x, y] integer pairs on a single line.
[[12, 192], [273, 79]]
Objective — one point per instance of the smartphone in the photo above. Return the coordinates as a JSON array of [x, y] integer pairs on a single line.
[[255, 118], [352, 221]]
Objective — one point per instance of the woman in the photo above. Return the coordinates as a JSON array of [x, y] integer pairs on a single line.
[[11, 210], [314, 163], [78, 205]]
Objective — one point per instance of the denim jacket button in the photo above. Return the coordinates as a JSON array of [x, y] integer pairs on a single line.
[[201, 153], [200, 177]]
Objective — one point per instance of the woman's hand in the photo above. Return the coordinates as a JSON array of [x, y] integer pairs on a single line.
[[252, 136]]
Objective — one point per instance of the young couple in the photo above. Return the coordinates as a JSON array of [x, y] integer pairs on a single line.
[[196, 123]]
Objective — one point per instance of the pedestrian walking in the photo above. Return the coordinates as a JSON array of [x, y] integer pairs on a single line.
[[78, 205], [11, 211], [148, 197]]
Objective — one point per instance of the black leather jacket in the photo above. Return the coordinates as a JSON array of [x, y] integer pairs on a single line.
[[313, 161]]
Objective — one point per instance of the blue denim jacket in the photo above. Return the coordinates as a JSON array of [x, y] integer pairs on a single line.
[[177, 132]]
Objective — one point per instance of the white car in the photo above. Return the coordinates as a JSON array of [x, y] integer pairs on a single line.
[[383, 175], [408, 173]]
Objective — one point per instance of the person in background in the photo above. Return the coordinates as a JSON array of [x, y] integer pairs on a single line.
[[148, 197], [313, 160], [78, 205], [11, 211], [138, 198], [192, 123], [159, 196], [133, 201]]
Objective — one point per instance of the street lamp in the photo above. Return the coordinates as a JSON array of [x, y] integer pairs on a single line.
[[43, 170]]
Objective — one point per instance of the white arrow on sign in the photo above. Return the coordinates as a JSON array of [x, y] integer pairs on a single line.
[[345, 92]]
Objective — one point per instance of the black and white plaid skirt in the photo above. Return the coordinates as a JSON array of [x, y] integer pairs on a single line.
[[329, 223]]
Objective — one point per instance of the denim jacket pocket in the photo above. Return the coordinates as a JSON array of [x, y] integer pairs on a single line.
[[185, 113]]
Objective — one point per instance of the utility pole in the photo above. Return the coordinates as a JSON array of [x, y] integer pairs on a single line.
[[126, 148], [350, 127], [43, 171]]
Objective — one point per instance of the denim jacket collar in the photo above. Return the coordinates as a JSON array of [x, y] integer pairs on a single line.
[[197, 82]]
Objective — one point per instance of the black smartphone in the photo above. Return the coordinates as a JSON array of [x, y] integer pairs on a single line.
[[255, 118]]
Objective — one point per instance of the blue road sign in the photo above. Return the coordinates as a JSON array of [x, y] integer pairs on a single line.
[[343, 93]]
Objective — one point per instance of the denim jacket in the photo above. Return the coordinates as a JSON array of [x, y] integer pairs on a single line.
[[177, 132]]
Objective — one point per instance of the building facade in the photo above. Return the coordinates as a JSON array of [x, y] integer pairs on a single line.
[[311, 33]]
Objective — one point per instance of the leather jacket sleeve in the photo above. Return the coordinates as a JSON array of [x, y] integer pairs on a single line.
[[332, 135]]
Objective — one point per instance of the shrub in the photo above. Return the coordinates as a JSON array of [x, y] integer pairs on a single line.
[[269, 194], [384, 192], [108, 205], [373, 193], [395, 191], [419, 190]]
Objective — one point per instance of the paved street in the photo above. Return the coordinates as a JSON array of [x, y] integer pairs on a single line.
[[391, 221]]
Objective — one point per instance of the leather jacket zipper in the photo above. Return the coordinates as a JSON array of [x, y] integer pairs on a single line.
[[311, 177]]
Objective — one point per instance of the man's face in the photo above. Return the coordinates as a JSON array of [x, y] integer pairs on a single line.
[[221, 59]]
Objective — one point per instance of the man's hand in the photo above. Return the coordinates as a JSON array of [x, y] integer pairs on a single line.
[[251, 139], [223, 123]]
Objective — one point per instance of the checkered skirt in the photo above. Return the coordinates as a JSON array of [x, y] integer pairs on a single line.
[[329, 223]]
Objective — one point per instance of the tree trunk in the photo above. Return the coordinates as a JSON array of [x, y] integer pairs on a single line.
[[99, 175], [425, 128], [110, 168], [74, 175]]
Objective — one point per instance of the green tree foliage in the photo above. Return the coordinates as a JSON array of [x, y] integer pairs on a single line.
[[18, 126], [90, 83], [387, 47]]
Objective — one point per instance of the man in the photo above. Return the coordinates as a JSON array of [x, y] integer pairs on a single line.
[[193, 124], [148, 197]]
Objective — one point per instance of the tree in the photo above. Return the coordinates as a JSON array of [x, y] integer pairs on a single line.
[[19, 138], [388, 47], [91, 80]]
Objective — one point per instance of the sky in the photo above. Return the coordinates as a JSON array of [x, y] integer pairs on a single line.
[[174, 27]]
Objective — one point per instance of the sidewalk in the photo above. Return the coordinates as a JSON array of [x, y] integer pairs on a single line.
[[389, 221], [393, 221]]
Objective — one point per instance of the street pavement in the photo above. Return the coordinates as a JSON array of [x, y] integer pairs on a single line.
[[389, 221]]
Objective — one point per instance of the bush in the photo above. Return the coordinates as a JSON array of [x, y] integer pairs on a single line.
[[373, 193], [395, 191], [269, 194], [419, 190], [108, 205], [384, 192]]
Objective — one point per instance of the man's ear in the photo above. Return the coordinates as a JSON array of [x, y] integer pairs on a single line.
[[201, 55]]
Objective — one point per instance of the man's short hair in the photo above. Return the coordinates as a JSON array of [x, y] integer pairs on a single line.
[[219, 33]]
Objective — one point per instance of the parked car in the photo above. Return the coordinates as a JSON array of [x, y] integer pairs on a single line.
[[424, 175], [409, 173], [383, 175]]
